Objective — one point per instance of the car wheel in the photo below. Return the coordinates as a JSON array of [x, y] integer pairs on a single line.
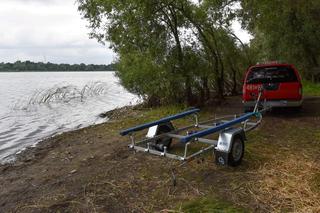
[[297, 109], [247, 109]]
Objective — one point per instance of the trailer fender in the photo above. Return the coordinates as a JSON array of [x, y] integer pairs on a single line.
[[230, 147]]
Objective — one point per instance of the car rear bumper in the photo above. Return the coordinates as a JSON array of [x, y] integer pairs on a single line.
[[274, 103]]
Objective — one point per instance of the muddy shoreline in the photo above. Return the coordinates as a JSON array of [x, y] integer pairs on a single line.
[[31, 153]]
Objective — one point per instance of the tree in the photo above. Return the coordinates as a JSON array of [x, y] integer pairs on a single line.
[[211, 21], [32, 66], [286, 30], [168, 51]]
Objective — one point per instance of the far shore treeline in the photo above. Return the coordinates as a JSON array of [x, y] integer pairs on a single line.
[[187, 51], [23, 66]]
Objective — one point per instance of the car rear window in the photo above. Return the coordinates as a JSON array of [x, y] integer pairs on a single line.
[[272, 74]]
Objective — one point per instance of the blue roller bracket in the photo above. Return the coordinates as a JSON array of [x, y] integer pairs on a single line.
[[219, 127], [161, 121]]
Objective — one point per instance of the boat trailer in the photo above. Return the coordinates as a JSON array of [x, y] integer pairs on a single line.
[[228, 148]]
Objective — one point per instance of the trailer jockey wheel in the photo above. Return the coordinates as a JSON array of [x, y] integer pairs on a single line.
[[166, 141], [237, 150]]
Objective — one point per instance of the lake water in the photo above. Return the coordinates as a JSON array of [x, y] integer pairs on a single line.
[[35, 105]]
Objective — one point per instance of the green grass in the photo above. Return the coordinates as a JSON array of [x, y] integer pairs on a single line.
[[210, 205], [311, 89]]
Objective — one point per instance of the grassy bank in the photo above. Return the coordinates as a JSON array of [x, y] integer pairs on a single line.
[[91, 170], [311, 89]]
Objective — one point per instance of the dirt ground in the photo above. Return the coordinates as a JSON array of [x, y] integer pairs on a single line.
[[92, 170]]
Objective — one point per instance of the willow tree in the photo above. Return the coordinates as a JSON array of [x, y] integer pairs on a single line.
[[146, 36], [168, 51], [285, 30], [224, 52]]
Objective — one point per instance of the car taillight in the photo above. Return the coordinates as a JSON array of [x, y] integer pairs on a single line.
[[300, 90]]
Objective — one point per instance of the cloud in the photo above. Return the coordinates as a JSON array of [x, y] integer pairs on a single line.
[[44, 2], [49, 30], [53, 30]]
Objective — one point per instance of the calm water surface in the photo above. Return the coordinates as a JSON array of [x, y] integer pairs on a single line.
[[35, 105]]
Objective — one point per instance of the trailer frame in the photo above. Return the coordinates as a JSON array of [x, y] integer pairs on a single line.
[[219, 125]]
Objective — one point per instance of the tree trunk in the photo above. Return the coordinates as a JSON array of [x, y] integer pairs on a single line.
[[205, 88], [188, 92], [234, 81]]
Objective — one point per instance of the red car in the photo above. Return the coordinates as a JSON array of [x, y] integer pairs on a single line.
[[281, 82]]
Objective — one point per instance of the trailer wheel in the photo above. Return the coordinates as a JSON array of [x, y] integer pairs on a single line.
[[164, 142], [237, 151]]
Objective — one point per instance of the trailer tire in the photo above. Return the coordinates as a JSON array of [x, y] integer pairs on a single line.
[[164, 142], [237, 151]]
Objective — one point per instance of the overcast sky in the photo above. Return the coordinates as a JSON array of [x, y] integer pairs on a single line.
[[47, 30], [51, 30]]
